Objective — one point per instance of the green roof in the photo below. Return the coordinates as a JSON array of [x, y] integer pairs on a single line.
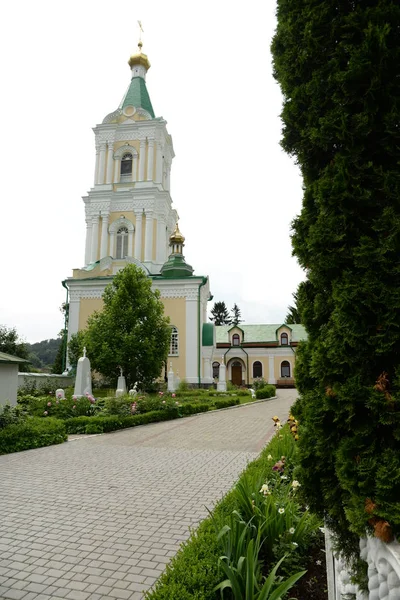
[[260, 333], [9, 358], [138, 96]]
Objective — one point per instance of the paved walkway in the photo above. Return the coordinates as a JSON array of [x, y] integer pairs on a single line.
[[99, 517]]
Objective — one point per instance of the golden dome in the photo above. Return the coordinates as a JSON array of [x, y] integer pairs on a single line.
[[176, 237], [139, 58]]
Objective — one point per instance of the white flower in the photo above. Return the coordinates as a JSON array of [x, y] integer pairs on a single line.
[[292, 530], [269, 457], [283, 477], [295, 484], [264, 488], [318, 562], [278, 426], [281, 511], [294, 544]]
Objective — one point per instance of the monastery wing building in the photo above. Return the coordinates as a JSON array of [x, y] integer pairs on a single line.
[[130, 219]]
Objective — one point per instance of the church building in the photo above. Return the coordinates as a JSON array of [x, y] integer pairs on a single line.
[[130, 219]]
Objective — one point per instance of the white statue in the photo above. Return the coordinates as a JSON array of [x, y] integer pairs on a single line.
[[83, 380], [134, 391]]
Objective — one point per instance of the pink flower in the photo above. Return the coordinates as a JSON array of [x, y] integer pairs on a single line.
[[49, 404], [92, 400], [161, 393], [73, 397], [173, 395], [59, 396], [74, 406], [45, 413]]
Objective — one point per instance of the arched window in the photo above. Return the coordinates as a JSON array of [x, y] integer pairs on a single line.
[[174, 343], [215, 367], [122, 242], [284, 339], [236, 339], [285, 369], [126, 167], [257, 369]]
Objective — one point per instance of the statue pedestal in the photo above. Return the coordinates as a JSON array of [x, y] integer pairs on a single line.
[[221, 385], [121, 386]]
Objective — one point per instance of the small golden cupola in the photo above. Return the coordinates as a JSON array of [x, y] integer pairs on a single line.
[[176, 266]]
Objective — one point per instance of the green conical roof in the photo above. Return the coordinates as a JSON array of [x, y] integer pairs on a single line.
[[138, 96]]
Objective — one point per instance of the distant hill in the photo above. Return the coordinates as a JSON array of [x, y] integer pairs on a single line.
[[43, 354]]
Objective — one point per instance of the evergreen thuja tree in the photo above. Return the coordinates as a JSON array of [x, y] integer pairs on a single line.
[[235, 318], [338, 65], [220, 314]]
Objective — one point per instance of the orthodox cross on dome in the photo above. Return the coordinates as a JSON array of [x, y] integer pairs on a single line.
[[140, 43]]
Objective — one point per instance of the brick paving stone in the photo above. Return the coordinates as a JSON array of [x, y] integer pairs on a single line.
[[141, 489]]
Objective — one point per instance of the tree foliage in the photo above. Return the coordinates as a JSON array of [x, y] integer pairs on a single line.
[[338, 64], [131, 331], [75, 348], [235, 315], [220, 314], [293, 314], [10, 343]]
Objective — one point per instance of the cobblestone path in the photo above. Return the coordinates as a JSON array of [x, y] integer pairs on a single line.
[[99, 517]]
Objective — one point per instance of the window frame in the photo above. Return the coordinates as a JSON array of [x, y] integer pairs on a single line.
[[235, 337], [257, 363], [174, 341], [122, 236], [214, 367], [285, 364], [285, 335]]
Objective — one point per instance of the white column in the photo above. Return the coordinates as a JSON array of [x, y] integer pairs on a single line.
[[168, 178], [271, 370], [130, 242], [142, 159], [117, 168], [159, 163], [96, 168], [102, 163], [138, 236], [88, 244], [104, 235], [95, 238], [134, 168], [150, 161], [112, 244], [161, 240], [110, 161], [148, 249]]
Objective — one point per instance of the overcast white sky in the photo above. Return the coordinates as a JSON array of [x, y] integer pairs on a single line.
[[64, 67]]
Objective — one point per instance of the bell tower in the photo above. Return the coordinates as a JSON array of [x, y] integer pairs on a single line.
[[129, 214]]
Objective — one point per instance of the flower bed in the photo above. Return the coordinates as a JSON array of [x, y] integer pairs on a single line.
[[259, 531]]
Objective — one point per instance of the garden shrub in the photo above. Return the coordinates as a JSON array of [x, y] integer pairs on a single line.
[[338, 67], [50, 406], [33, 432], [226, 402], [10, 415], [269, 391]]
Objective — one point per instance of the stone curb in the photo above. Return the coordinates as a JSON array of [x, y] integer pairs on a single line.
[[209, 412]]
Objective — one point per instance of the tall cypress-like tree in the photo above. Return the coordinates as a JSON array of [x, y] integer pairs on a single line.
[[338, 64], [220, 314], [293, 314], [235, 318]]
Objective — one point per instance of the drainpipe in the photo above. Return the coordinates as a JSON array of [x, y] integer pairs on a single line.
[[204, 281], [64, 357], [247, 360]]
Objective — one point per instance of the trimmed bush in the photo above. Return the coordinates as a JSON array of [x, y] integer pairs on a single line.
[[105, 424], [269, 391], [32, 433], [226, 402]]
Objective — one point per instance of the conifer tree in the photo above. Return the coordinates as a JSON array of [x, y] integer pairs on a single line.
[[338, 64], [235, 318], [293, 315], [220, 314]]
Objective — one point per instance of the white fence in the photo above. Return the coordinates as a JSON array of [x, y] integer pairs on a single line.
[[42, 380], [383, 572]]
